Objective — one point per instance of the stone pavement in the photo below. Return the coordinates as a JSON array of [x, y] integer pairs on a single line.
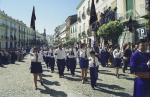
[[17, 81]]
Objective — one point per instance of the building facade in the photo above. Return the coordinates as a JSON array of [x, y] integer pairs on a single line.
[[108, 10], [14, 33], [73, 31]]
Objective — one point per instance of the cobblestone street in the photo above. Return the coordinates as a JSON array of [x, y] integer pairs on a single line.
[[16, 81]]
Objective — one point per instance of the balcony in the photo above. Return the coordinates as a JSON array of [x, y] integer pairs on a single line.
[[79, 19], [89, 33], [79, 35], [88, 11], [83, 16], [84, 34]]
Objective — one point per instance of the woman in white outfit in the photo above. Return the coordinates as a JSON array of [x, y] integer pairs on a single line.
[[36, 67]]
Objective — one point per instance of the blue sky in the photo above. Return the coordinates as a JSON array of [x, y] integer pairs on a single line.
[[49, 13]]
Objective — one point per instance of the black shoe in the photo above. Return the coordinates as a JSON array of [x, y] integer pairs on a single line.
[[52, 71], [86, 79], [123, 71], [83, 81], [36, 88], [117, 75], [42, 83], [93, 87]]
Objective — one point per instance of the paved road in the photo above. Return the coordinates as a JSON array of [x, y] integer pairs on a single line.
[[16, 81]]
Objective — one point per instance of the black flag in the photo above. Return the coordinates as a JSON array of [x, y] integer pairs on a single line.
[[33, 18], [93, 16]]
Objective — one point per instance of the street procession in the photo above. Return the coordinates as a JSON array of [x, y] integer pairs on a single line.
[[101, 51]]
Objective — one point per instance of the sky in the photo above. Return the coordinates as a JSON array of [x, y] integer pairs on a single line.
[[49, 13]]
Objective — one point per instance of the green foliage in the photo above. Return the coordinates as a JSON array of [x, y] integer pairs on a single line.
[[113, 27], [147, 25], [111, 30], [70, 42]]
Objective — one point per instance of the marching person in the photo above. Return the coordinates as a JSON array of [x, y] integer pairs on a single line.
[[61, 60], [140, 66], [47, 58], [83, 60], [67, 59], [126, 57], [104, 56], [117, 59], [72, 61], [93, 64], [52, 60], [1, 65], [36, 66]]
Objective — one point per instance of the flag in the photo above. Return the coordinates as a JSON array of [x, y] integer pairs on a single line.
[[33, 18], [93, 16]]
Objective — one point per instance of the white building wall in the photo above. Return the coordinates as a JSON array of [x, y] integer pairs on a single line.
[[100, 7], [73, 31]]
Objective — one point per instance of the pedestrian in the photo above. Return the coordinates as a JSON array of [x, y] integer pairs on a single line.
[[104, 56], [72, 61], [67, 59], [140, 66], [36, 66], [61, 60], [110, 60], [127, 52], [117, 59], [93, 64], [83, 60], [1, 65], [47, 58], [52, 60]]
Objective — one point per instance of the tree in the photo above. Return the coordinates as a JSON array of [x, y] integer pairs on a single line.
[[111, 31]]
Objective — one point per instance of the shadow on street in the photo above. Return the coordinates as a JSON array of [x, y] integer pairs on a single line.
[[101, 86], [52, 92]]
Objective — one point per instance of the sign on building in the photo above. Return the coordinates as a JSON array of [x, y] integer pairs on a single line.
[[142, 34]]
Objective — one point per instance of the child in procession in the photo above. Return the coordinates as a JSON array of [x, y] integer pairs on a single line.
[[93, 64]]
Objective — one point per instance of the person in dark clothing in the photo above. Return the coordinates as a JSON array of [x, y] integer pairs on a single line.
[[126, 57], [140, 67], [1, 65]]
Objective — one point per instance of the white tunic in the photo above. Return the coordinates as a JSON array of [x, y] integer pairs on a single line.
[[117, 54], [33, 57], [72, 56], [91, 62], [60, 54], [83, 53]]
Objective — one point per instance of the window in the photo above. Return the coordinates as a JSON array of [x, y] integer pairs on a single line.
[[89, 3], [97, 1], [84, 9], [79, 14], [129, 7], [84, 27], [80, 29]]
